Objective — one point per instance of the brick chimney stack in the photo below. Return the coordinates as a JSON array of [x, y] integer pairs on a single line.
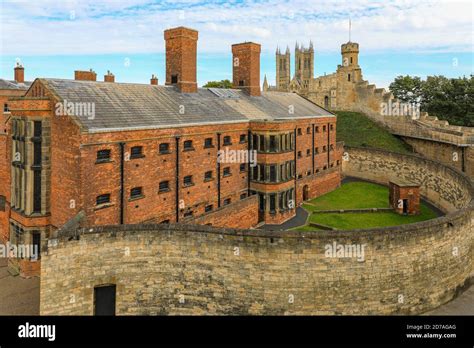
[[181, 56], [85, 75], [19, 73], [109, 77], [154, 80], [246, 67]]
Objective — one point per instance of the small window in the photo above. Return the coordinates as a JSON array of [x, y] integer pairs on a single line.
[[227, 201], [164, 186], [174, 78], [273, 143], [36, 238], [324, 128], [227, 140], [226, 171], [308, 173], [5, 108], [208, 175], [241, 83], [102, 199], [208, 208], [337, 162], [243, 138], [308, 152], [273, 173], [207, 143], [167, 221], [316, 149], [243, 167], [348, 77], [103, 156], [299, 131], [324, 148], [188, 213], [136, 192], [188, 145], [243, 196], [188, 180], [299, 154], [316, 129], [164, 148], [332, 127], [136, 152], [308, 130]]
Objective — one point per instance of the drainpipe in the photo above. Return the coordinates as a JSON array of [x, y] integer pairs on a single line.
[[177, 180], [312, 150], [218, 172], [249, 148], [122, 192]]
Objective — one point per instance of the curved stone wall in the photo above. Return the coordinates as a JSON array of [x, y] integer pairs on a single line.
[[180, 269]]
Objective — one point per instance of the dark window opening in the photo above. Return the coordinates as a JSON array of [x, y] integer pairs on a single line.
[[102, 199], [241, 83], [208, 175], [174, 78], [188, 213], [243, 138], [188, 180], [227, 201], [164, 148], [273, 173], [273, 143], [226, 171], [243, 196], [5, 108], [243, 167], [164, 186], [348, 77], [103, 155], [37, 191], [299, 131], [36, 237], [207, 143], [136, 192], [188, 145], [208, 208], [272, 203], [136, 152], [227, 140]]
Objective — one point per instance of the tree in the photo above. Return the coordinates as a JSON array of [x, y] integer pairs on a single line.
[[218, 84], [448, 99], [407, 89]]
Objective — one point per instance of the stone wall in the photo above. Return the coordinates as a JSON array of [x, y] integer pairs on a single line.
[[184, 269]]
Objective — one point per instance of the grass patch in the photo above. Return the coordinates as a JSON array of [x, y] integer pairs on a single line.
[[348, 221], [356, 129], [352, 195], [359, 195]]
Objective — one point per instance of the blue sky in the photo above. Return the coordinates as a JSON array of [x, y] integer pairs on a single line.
[[52, 38]]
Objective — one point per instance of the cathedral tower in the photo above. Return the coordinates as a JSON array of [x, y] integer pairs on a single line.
[[304, 64], [283, 73]]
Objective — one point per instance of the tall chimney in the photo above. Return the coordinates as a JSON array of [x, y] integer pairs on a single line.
[[109, 77], [246, 67], [19, 73], [181, 53], [80, 75], [154, 80]]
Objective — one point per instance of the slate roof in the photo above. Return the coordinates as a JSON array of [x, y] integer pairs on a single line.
[[9, 84], [121, 106]]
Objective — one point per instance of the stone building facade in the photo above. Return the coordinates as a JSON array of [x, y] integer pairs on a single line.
[[108, 153]]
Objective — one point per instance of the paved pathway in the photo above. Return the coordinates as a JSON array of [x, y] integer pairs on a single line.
[[18, 296], [298, 220], [461, 305]]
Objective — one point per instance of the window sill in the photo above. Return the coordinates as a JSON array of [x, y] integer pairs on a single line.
[[164, 152], [103, 161], [103, 206], [188, 185], [136, 156], [208, 180], [131, 199], [209, 147], [226, 175], [164, 191], [189, 149]]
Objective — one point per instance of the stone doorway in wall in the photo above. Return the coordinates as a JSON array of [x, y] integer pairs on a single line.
[[305, 193], [326, 102]]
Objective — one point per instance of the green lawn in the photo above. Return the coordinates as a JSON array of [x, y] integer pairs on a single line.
[[356, 129], [359, 195], [352, 195]]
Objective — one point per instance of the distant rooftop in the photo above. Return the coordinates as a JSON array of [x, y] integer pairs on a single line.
[[122, 106], [11, 84]]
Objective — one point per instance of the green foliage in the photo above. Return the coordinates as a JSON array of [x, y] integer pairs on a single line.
[[448, 99], [356, 129], [218, 84]]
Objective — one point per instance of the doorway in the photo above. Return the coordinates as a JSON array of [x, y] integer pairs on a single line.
[[104, 300], [305, 193]]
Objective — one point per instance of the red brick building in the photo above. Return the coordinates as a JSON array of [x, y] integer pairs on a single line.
[[125, 153]]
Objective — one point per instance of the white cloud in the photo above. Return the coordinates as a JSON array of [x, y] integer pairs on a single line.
[[121, 26]]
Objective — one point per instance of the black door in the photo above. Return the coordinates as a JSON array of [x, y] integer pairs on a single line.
[[104, 300], [405, 206]]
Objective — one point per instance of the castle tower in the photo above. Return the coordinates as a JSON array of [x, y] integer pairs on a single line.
[[283, 73], [304, 64], [350, 61]]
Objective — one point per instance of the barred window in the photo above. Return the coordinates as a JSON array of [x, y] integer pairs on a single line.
[[136, 152], [164, 148], [103, 199], [103, 155], [164, 186], [136, 192]]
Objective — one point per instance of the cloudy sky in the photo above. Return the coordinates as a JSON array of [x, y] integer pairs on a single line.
[[52, 38]]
